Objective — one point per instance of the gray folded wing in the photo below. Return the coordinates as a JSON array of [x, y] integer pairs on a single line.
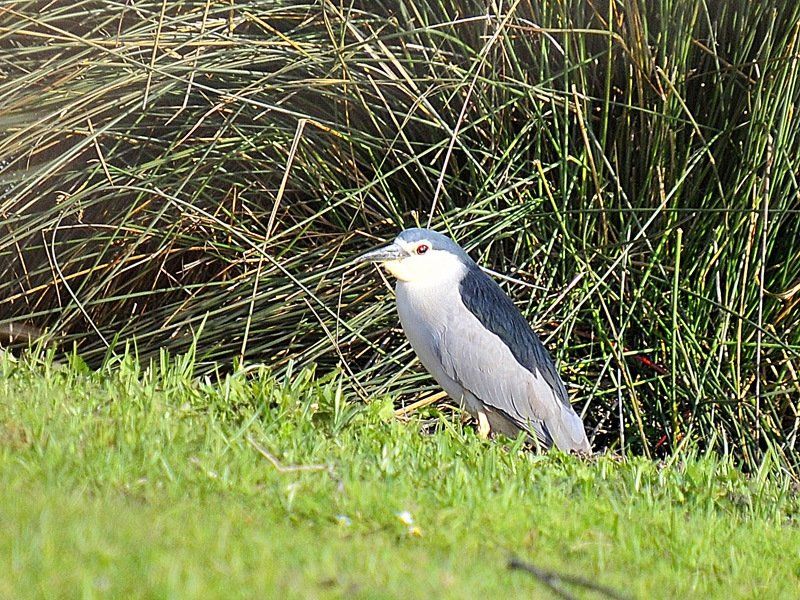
[[494, 354]]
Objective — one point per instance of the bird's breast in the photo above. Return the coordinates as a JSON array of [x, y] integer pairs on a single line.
[[424, 315], [423, 310]]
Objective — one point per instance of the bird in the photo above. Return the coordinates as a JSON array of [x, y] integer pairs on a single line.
[[470, 336]]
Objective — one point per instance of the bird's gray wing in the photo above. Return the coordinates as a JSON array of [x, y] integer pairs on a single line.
[[493, 353]]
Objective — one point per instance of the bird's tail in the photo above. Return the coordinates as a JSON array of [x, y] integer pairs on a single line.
[[568, 432]]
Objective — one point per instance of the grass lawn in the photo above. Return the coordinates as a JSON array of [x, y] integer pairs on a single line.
[[144, 482]]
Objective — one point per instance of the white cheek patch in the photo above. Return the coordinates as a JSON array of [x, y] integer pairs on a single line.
[[433, 265], [399, 269]]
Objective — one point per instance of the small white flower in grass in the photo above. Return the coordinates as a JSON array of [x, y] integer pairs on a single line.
[[405, 517], [344, 520]]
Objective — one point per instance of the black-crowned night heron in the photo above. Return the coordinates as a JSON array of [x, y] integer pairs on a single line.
[[475, 343]]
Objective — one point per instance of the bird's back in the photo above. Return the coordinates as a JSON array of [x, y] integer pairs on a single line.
[[500, 359], [547, 395]]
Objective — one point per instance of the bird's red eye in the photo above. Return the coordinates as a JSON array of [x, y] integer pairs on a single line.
[[422, 249]]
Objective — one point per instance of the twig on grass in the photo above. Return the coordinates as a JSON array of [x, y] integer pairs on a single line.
[[428, 400], [277, 464], [554, 580]]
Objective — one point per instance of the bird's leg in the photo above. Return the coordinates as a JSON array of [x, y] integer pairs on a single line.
[[484, 429]]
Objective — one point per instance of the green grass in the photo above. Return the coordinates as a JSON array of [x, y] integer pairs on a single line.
[[141, 482]]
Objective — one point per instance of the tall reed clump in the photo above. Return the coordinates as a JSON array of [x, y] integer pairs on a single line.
[[203, 171]]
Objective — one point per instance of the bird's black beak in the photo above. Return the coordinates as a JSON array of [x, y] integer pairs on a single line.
[[380, 255]]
